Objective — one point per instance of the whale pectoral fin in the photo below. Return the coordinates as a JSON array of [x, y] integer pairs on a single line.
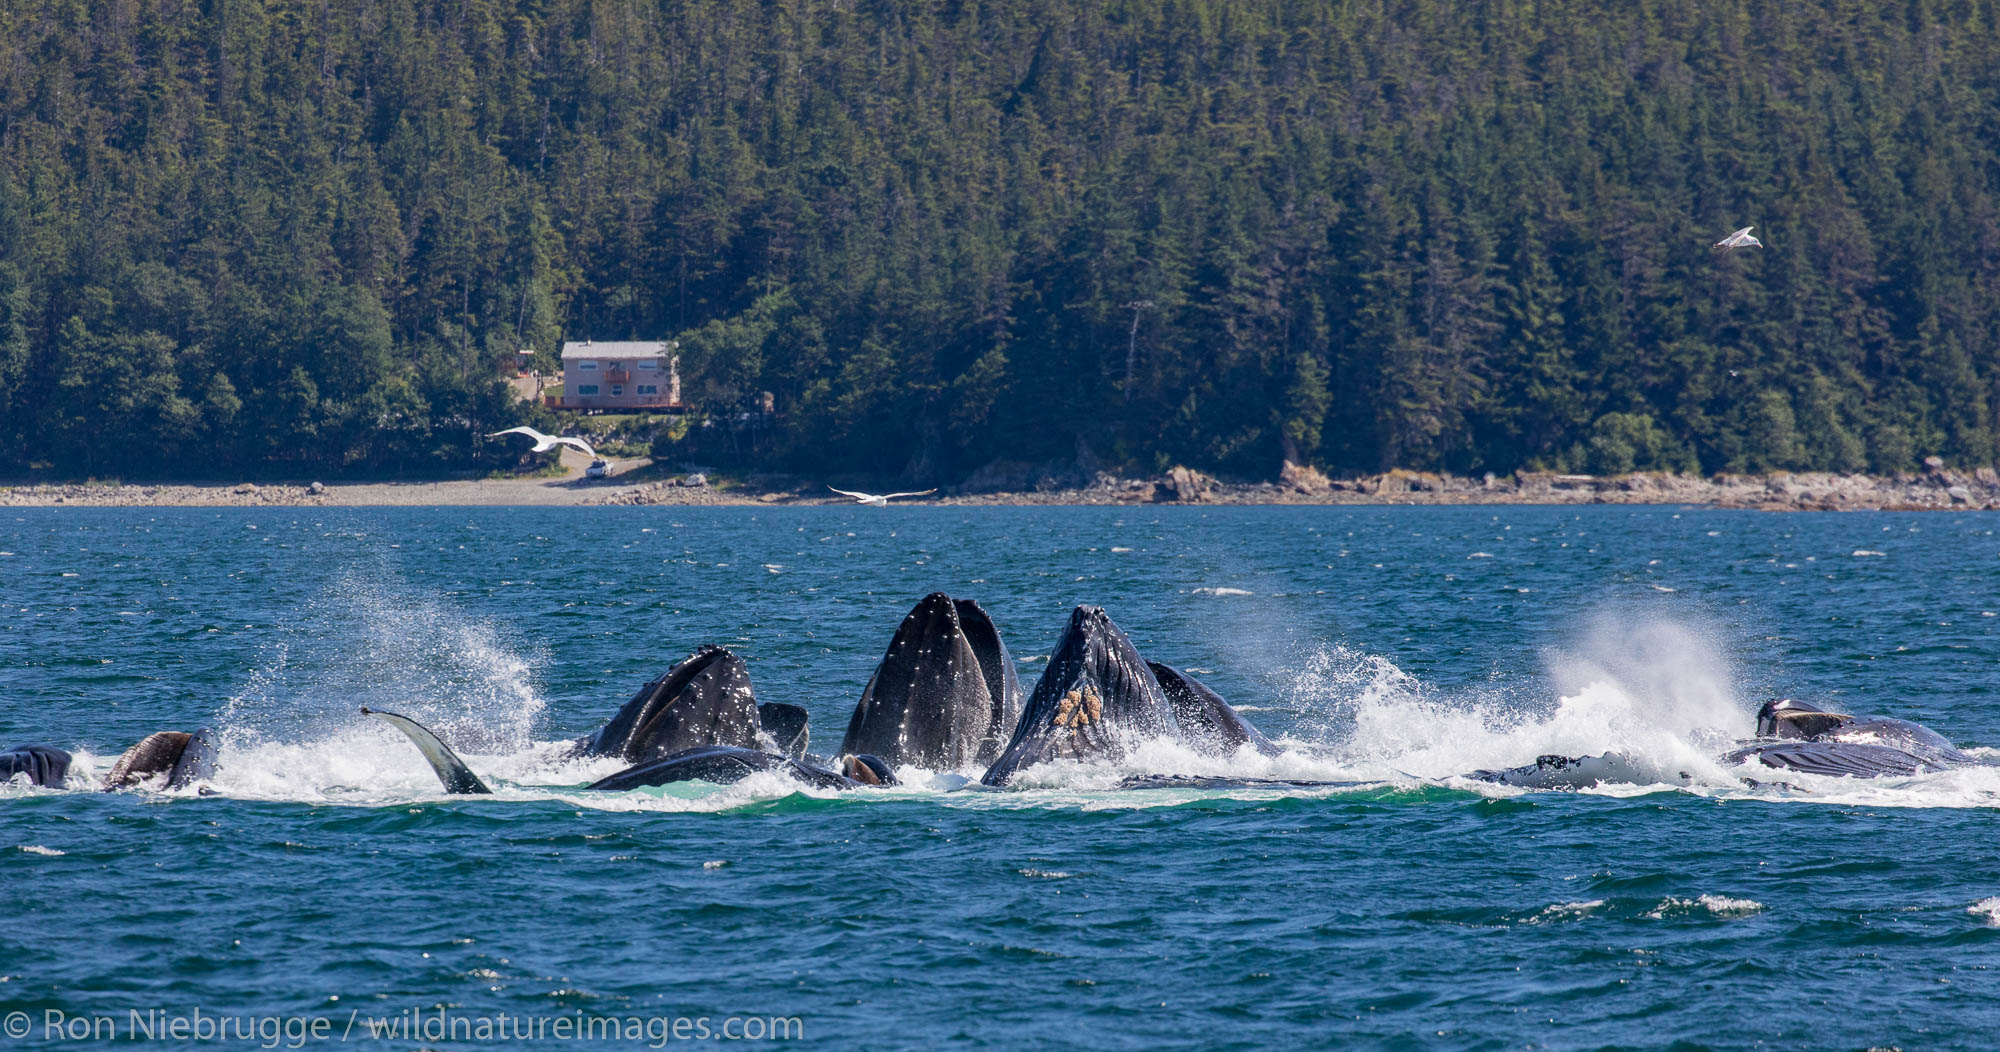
[[452, 771]]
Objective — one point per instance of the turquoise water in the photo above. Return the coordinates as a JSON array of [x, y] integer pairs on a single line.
[[1392, 648]]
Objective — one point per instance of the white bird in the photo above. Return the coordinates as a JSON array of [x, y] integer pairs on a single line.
[[877, 501], [544, 443], [1740, 239]]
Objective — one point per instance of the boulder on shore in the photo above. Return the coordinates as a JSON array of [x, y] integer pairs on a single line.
[[1303, 478], [1183, 486]]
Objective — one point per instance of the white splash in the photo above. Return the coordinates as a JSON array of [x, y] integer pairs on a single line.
[[1714, 905], [1656, 693], [366, 641], [1563, 911]]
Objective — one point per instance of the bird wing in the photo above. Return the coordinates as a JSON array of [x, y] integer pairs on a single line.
[[528, 431], [851, 493], [919, 493], [1743, 232], [577, 444]]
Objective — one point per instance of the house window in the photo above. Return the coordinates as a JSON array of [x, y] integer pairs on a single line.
[[586, 389], [586, 365], [617, 389], [651, 389], [649, 363]]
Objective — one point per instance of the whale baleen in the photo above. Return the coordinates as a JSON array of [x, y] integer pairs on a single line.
[[184, 758], [1813, 740]]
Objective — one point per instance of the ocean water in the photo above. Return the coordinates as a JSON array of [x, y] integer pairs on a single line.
[[327, 878]]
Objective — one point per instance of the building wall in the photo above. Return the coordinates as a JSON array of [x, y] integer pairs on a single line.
[[620, 383]]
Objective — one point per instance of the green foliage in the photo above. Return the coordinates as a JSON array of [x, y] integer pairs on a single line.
[[265, 236], [1623, 442]]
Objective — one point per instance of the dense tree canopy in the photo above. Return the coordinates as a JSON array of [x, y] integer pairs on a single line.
[[280, 235]]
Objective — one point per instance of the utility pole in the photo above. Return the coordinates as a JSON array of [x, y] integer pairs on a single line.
[[1132, 346]]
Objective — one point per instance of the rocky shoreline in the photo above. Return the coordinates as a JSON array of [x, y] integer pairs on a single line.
[[1935, 489]]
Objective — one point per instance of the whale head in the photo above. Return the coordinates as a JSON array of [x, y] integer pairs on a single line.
[[1096, 700]]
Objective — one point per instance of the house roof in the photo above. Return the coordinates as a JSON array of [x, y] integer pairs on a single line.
[[620, 349]]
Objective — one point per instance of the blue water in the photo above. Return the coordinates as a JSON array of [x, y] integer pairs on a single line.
[[1393, 648]]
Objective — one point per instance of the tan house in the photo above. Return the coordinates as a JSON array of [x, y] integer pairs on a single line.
[[631, 374]]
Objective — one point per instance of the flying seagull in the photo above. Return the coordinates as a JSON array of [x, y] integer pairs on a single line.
[[544, 443], [1740, 239], [874, 500]]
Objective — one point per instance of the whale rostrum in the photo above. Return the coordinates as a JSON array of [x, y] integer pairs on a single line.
[[1095, 701], [706, 699], [945, 695]]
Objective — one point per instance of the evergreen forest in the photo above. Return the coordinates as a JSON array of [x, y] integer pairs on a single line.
[[278, 237]]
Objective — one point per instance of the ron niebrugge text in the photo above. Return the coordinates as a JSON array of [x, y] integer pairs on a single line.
[[414, 1024]]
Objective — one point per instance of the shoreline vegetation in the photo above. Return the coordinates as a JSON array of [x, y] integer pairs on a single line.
[[1935, 489], [263, 240]]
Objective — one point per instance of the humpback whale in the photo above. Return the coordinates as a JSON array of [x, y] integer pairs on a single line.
[[1553, 771], [721, 764], [945, 694], [43, 765], [699, 721], [1095, 700], [184, 758], [1815, 741], [1791, 736], [706, 699]]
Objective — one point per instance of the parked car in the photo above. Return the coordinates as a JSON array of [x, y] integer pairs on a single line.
[[598, 469]]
